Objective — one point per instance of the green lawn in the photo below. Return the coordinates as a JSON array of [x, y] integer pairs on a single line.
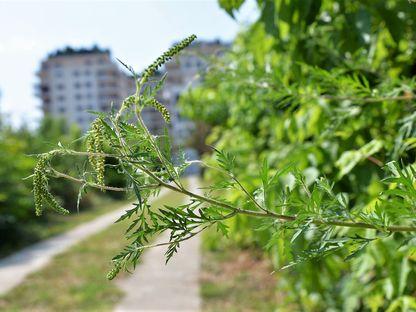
[[75, 280]]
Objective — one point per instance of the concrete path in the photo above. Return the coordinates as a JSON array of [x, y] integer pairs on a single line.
[[155, 286], [16, 267]]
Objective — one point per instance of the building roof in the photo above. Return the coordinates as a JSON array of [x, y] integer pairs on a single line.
[[215, 42], [70, 51]]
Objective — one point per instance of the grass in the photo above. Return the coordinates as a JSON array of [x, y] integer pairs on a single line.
[[57, 224], [75, 280], [235, 279]]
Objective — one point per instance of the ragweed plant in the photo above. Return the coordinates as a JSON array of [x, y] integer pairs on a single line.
[[283, 198], [95, 146], [42, 195]]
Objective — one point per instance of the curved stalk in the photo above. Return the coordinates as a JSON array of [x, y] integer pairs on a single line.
[[265, 214]]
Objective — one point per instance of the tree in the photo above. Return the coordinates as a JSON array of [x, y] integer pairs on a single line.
[[327, 85], [17, 147]]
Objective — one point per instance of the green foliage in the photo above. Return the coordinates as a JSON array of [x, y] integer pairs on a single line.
[[294, 211], [41, 192], [13, 191], [312, 115], [230, 6], [18, 223], [325, 87]]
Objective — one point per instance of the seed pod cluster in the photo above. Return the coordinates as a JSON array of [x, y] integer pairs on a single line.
[[114, 271], [129, 101], [95, 145], [162, 109], [149, 71], [41, 193]]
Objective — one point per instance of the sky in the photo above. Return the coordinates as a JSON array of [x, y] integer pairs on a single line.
[[135, 31]]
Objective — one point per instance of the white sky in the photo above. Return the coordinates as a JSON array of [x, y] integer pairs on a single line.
[[135, 31]]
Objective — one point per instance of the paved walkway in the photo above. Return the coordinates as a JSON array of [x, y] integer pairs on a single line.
[[16, 267], [155, 286]]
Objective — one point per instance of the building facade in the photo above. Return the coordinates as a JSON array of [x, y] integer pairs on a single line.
[[75, 81]]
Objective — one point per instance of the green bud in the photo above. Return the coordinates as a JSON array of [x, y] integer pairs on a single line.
[[149, 71], [95, 145], [113, 272]]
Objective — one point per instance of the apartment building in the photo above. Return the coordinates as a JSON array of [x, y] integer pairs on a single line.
[[74, 81]]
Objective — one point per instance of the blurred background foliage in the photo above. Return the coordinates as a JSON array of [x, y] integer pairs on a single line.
[[327, 85], [18, 148]]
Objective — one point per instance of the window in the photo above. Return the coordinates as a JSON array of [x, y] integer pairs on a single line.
[[60, 86], [61, 98], [44, 88], [78, 96], [77, 85], [62, 110], [75, 73], [58, 73], [88, 84]]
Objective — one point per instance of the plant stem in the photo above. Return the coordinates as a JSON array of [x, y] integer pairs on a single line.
[[59, 174], [264, 214], [159, 154], [231, 176], [270, 214]]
